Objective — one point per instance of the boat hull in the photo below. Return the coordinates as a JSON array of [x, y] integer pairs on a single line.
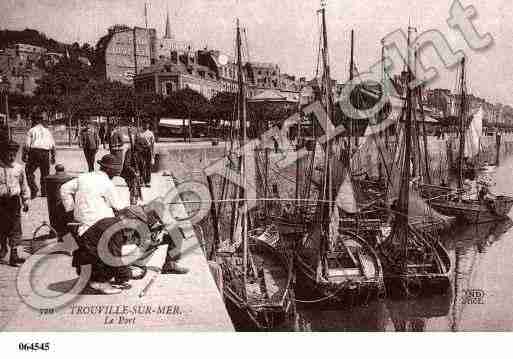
[[256, 312], [322, 293], [473, 211], [245, 318], [416, 285]]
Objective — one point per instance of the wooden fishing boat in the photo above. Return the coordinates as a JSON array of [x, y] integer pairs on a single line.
[[257, 281], [423, 270], [265, 300], [475, 211], [466, 209], [414, 262], [335, 267], [349, 275]]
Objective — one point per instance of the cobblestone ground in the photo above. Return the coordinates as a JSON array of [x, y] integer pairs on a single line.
[[194, 297]]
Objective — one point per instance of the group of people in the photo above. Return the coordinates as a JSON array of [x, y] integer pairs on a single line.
[[136, 162], [91, 199]]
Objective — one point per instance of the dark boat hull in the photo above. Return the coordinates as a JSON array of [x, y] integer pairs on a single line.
[[473, 211], [275, 313], [245, 318], [321, 293], [414, 285]]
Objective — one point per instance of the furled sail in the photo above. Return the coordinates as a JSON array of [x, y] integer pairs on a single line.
[[473, 134], [346, 199]]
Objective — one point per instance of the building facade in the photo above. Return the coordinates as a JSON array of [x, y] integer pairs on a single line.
[[125, 51], [195, 70]]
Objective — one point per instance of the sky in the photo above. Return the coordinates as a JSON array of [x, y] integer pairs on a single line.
[[287, 31]]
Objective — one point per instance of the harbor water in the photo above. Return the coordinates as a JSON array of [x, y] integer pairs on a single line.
[[482, 292]]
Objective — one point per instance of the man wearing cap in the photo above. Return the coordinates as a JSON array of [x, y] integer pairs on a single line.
[[90, 140], [116, 143], [14, 195], [93, 198], [40, 150]]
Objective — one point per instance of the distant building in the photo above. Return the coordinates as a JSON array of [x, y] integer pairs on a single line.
[[19, 63], [263, 74], [199, 71], [125, 51]]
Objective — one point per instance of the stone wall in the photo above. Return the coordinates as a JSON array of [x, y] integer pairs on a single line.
[[188, 163]]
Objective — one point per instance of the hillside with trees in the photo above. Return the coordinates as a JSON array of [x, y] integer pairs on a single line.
[[36, 38]]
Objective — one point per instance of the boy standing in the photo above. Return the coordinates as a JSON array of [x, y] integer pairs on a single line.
[[14, 196]]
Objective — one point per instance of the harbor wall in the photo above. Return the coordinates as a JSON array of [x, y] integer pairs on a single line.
[[367, 160], [188, 163]]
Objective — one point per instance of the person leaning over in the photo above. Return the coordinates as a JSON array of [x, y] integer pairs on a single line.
[[94, 201]]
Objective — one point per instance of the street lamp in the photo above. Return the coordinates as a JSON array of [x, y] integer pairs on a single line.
[[4, 87]]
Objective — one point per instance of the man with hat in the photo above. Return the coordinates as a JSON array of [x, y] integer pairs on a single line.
[[94, 200], [40, 152], [90, 141], [116, 142], [14, 196]]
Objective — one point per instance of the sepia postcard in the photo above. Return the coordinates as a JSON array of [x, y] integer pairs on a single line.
[[261, 166]]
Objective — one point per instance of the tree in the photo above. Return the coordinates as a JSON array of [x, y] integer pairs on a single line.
[[20, 104], [224, 106], [263, 115], [62, 89], [187, 103]]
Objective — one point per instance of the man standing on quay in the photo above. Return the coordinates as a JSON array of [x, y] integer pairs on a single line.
[[14, 196], [116, 143], [39, 152], [90, 141], [148, 153]]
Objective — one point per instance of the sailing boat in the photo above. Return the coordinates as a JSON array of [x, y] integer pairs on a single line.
[[414, 262], [333, 266], [470, 210], [257, 279]]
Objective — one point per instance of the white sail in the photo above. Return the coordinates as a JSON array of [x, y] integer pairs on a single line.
[[473, 134], [346, 197]]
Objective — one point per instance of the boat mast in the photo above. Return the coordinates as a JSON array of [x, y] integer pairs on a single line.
[[424, 131], [242, 138], [462, 126], [328, 104], [351, 77], [404, 194]]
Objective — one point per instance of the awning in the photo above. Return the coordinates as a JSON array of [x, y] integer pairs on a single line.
[[179, 122]]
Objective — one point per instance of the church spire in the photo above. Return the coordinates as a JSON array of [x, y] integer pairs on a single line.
[[167, 34]]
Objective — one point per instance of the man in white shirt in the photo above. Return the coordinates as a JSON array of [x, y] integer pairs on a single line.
[[94, 200], [149, 154], [92, 196], [39, 152]]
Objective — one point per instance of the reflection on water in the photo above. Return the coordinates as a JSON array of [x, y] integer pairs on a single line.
[[472, 286], [482, 287]]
